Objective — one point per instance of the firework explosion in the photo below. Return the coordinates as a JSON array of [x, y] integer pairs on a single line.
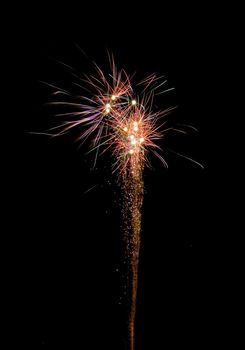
[[116, 119]]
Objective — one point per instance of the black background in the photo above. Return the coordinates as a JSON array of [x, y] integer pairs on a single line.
[[70, 284]]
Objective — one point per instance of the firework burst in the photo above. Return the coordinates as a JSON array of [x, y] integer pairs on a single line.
[[117, 120], [114, 118]]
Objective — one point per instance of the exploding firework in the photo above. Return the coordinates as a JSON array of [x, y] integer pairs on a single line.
[[115, 119]]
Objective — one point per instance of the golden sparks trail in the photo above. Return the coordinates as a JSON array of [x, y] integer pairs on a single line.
[[133, 198], [116, 119]]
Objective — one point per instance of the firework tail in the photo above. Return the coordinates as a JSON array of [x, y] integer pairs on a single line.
[[133, 199]]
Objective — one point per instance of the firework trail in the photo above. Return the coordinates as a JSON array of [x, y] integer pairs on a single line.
[[133, 198], [114, 119]]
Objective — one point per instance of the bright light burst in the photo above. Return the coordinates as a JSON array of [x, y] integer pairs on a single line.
[[114, 119]]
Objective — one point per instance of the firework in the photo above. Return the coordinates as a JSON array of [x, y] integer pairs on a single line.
[[115, 119]]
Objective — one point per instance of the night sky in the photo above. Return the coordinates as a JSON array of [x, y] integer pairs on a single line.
[[71, 267]]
